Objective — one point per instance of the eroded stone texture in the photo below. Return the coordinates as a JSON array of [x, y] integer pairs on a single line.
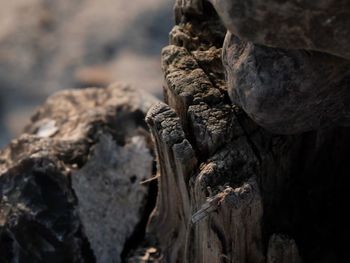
[[111, 197], [287, 91], [322, 25], [38, 219], [70, 187]]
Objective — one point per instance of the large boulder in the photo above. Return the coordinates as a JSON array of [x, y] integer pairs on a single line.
[[322, 25], [287, 91]]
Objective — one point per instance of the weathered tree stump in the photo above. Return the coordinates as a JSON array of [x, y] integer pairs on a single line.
[[230, 191], [78, 186]]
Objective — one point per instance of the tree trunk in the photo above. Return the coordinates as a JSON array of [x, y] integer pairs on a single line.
[[230, 191]]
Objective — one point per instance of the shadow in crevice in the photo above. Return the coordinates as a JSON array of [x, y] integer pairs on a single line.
[[310, 201]]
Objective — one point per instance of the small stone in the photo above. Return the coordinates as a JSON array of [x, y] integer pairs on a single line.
[[47, 129]]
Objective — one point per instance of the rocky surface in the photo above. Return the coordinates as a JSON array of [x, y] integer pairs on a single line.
[[287, 63], [287, 91], [47, 46], [321, 25], [71, 186]]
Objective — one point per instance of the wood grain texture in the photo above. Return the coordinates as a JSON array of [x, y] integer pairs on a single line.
[[247, 195]]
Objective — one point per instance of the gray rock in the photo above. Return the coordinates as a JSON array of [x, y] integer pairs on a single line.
[[111, 194], [322, 25], [38, 222], [287, 91], [70, 187]]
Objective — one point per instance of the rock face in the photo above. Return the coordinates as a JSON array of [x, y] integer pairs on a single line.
[[111, 197], [322, 25], [287, 63], [38, 220], [70, 186], [287, 91]]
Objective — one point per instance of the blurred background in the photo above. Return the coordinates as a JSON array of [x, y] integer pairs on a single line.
[[49, 45]]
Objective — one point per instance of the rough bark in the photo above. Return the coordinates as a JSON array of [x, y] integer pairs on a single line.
[[230, 191], [70, 186]]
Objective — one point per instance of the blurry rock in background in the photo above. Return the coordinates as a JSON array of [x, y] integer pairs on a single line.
[[48, 45]]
